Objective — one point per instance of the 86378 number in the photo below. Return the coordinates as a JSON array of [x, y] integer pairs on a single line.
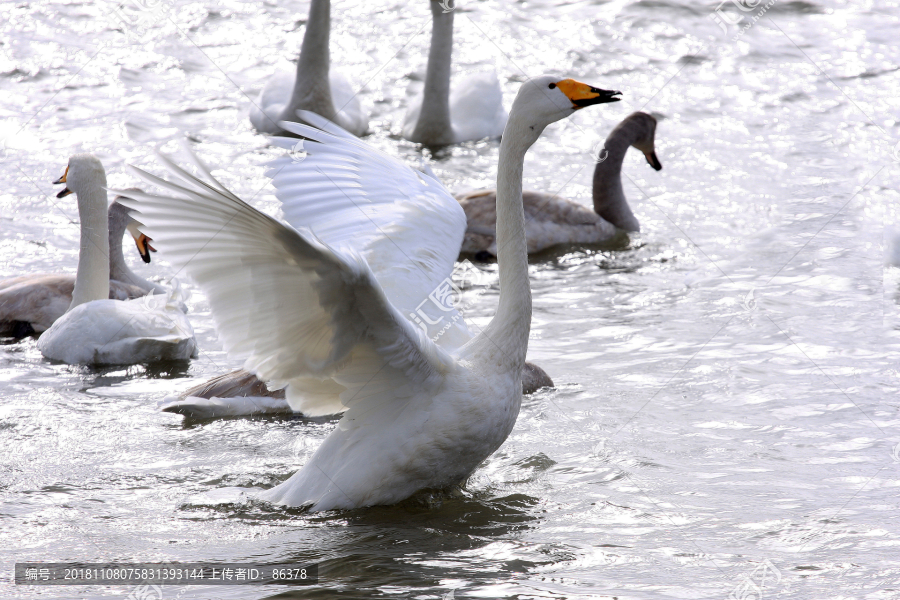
[[289, 574]]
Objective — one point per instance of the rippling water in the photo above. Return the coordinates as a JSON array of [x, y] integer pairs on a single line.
[[727, 386]]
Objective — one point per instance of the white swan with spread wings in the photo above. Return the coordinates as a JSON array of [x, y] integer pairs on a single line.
[[305, 307]]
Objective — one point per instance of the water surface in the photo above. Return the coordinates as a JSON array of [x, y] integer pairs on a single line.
[[727, 386]]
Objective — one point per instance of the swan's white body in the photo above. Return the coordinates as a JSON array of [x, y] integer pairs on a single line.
[[31, 303], [472, 110], [96, 330], [113, 332], [340, 301], [274, 98], [311, 85], [551, 220]]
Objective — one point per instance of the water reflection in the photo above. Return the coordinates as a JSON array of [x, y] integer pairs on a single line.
[[97, 376], [383, 547]]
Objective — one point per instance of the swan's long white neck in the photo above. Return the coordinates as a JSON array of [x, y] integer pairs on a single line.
[[434, 125], [609, 197], [92, 279], [312, 90], [509, 329]]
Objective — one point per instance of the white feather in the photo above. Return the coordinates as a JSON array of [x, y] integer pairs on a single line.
[[405, 225], [337, 306], [303, 305]]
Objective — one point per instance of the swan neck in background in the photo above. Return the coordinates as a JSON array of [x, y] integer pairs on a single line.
[[117, 222], [509, 329], [434, 125], [118, 268], [609, 197], [312, 87], [92, 279]]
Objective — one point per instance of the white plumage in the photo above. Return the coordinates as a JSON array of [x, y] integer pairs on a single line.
[[113, 332], [323, 306], [892, 245], [31, 303], [96, 330], [269, 107]]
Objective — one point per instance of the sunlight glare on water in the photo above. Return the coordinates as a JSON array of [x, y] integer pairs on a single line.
[[726, 380]]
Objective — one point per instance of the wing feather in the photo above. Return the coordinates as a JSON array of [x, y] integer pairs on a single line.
[[405, 224], [293, 306]]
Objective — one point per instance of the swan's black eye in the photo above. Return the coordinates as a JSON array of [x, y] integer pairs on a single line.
[[551, 86]]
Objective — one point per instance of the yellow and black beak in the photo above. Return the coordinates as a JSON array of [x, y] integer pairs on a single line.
[[582, 94], [141, 240], [653, 161], [144, 247], [62, 179]]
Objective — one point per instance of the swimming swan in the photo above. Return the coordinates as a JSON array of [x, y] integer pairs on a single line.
[[425, 400], [311, 85], [471, 111], [94, 329], [31, 303], [551, 220]]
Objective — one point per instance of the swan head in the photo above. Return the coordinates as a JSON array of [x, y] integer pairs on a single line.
[[642, 129], [141, 240], [549, 98], [124, 221], [84, 174]]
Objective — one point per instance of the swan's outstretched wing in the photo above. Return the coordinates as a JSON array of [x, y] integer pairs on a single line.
[[404, 223], [296, 308]]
